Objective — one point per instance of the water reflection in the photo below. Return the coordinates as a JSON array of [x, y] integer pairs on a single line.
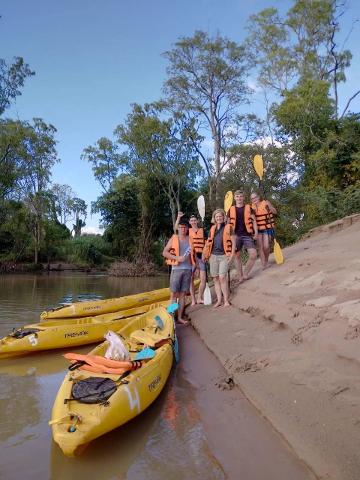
[[24, 297], [19, 406], [166, 441], [163, 443]]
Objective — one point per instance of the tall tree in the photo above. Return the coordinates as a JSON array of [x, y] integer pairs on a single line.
[[106, 161], [63, 201], [12, 78], [38, 157], [207, 78], [160, 146], [300, 46], [79, 209]]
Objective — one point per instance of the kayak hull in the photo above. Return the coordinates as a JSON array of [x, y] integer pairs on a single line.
[[100, 307], [67, 333]]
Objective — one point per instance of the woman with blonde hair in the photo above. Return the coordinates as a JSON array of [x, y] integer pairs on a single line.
[[219, 250]]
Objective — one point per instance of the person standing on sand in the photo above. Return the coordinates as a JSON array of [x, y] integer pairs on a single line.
[[197, 240], [244, 223], [219, 250], [179, 253], [264, 213]]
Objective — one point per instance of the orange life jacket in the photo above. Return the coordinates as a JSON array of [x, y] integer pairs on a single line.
[[227, 242], [98, 364], [247, 218], [175, 250], [263, 215], [197, 239]]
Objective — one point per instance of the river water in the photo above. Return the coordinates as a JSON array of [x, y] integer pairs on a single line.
[[188, 433]]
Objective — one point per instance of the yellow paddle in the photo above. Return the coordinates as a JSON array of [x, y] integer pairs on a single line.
[[259, 169], [259, 166], [279, 257], [228, 201]]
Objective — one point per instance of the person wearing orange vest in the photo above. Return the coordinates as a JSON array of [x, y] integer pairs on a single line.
[[197, 240], [180, 255], [219, 250], [244, 223], [264, 213]]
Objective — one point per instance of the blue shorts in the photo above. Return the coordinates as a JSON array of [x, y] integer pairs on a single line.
[[268, 231], [201, 265]]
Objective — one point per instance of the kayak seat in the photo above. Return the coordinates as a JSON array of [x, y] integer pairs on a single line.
[[146, 337]]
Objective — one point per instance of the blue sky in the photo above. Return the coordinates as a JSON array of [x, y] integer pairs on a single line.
[[94, 58]]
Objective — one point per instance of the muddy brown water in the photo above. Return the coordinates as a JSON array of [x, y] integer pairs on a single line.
[[195, 430]]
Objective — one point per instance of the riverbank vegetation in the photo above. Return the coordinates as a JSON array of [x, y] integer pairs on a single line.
[[157, 161]]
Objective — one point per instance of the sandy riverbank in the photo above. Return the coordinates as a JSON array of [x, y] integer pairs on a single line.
[[291, 341]]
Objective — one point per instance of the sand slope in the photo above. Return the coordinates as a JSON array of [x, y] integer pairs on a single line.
[[291, 341]]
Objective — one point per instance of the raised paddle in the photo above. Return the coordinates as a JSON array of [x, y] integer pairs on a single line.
[[201, 207], [201, 210], [259, 166], [228, 201], [259, 169]]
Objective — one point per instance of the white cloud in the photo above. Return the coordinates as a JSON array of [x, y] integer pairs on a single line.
[[92, 230]]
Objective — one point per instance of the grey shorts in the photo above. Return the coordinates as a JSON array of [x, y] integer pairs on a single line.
[[219, 265], [180, 280], [244, 241]]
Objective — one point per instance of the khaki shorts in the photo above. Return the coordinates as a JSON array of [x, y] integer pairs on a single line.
[[219, 265]]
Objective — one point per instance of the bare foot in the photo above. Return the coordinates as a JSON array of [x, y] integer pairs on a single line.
[[181, 321], [200, 301], [227, 304], [240, 279], [192, 304], [217, 304], [247, 277]]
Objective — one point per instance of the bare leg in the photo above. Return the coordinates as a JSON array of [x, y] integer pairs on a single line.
[[202, 287], [261, 250], [182, 308], [225, 289], [238, 264], [251, 261], [217, 291], [192, 291], [266, 248]]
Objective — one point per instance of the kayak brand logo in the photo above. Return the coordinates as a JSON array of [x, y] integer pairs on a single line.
[[154, 383], [76, 334], [96, 307]]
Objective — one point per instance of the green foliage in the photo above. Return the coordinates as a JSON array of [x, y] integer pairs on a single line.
[[12, 78], [15, 237], [55, 234], [90, 250], [106, 161]]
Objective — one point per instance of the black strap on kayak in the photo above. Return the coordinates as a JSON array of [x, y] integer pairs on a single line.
[[103, 393]]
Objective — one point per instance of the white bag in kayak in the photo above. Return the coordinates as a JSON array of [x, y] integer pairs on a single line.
[[116, 349]]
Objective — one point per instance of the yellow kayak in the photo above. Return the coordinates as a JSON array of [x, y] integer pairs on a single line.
[[119, 397], [99, 307], [65, 333]]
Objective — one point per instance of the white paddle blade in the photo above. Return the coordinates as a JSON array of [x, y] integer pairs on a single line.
[[207, 295], [201, 206]]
